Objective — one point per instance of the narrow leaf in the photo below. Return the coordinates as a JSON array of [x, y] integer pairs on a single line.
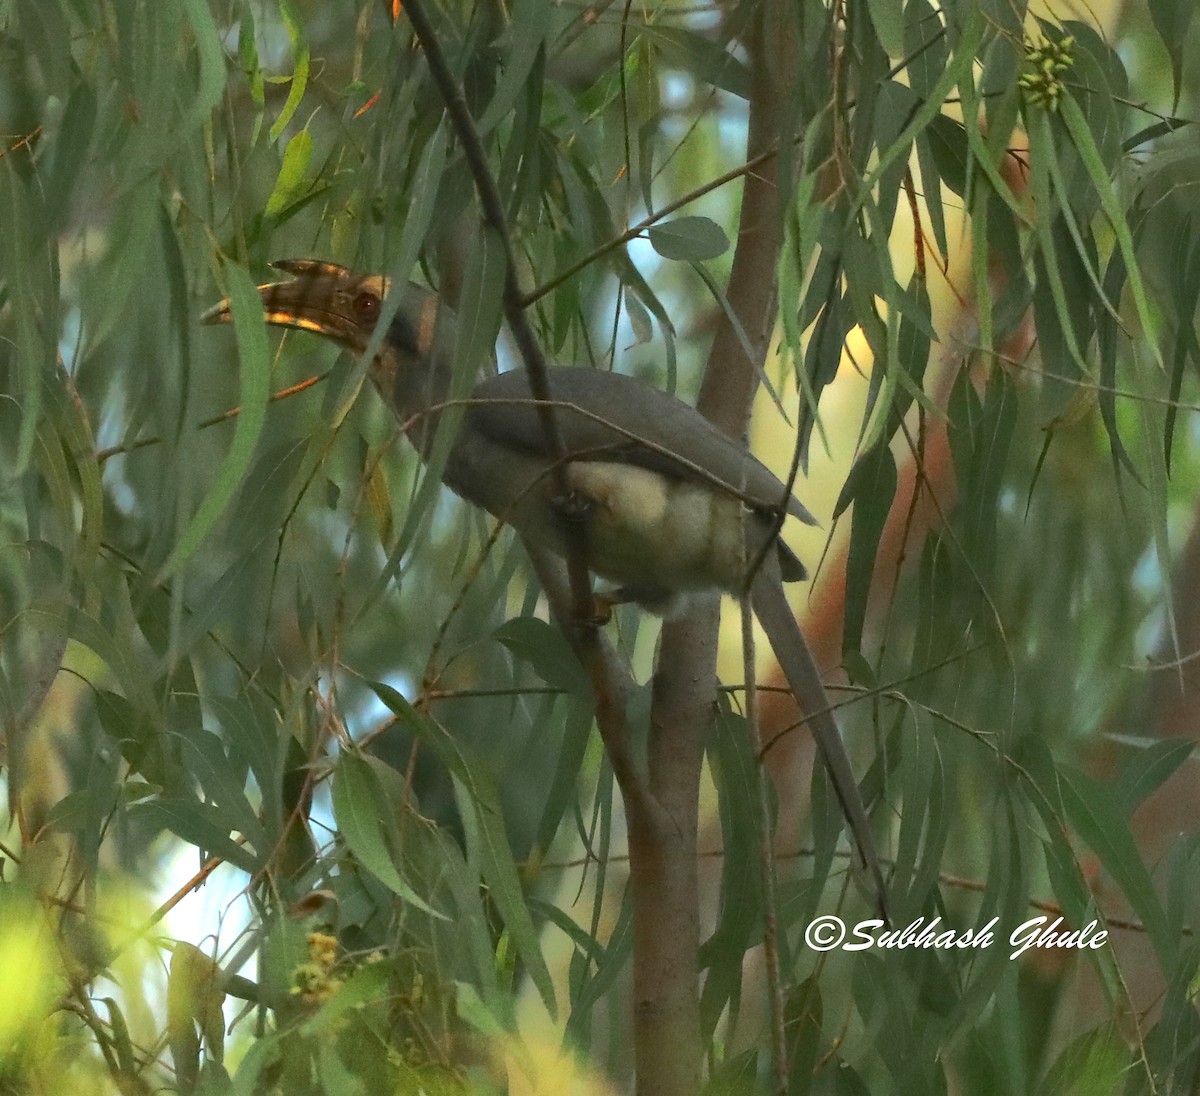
[[1094, 814], [542, 646], [204, 827], [254, 357], [689, 238], [291, 179], [300, 67], [363, 813]]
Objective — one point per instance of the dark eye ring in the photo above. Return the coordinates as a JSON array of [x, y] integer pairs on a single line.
[[366, 306]]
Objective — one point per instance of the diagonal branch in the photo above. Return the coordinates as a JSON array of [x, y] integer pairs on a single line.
[[583, 634]]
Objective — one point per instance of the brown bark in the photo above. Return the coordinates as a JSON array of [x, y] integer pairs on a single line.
[[663, 848]]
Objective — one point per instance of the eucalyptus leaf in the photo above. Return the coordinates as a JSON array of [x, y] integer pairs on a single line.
[[690, 239]]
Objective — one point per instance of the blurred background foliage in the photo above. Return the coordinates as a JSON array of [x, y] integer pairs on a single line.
[[269, 641]]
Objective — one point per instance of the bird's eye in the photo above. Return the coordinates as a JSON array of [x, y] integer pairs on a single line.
[[366, 306]]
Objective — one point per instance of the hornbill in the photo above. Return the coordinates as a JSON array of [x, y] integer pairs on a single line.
[[665, 503]]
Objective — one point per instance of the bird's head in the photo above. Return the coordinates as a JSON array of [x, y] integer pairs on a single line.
[[346, 306]]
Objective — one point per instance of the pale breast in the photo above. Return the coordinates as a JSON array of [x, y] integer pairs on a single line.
[[646, 530]]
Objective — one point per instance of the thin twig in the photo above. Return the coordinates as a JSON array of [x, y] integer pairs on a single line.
[[945, 879], [224, 416], [581, 631], [766, 847], [648, 222]]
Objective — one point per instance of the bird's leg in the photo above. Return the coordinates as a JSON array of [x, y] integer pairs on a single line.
[[602, 609], [604, 602], [607, 600], [663, 603], [575, 507]]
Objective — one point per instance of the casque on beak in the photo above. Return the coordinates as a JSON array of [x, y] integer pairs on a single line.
[[321, 297]]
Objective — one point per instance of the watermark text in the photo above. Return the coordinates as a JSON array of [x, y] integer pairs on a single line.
[[830, 933]]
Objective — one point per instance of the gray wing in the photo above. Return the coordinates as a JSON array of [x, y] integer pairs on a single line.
[[653, 430]]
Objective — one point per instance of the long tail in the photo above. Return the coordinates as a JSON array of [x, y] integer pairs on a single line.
[[796, 661]]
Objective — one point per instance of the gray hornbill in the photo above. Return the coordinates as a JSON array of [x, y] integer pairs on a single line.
[[666, 504]]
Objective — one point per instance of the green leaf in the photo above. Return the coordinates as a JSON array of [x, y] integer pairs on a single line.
[[205, 758], [73, 146], [423, 200], [739, 927], [1042, 151], [1153, 132], [483, 822], [1085, 145], [887, 16], [524, 38], [561, 793], [959, 69], [368, 984], [200, 825], [1146, 769], [871, 486], [365, 820], [924, 824], [803, 1012], [126, 660], [254, 356], [735, 1075], [609, 964], [120, 1038], [251, 66], [475, 342], [211, 82], [1095, 813], [194, 1000], [692, 239], [291, 179], [701, 56], [299, 81], [124, 265], [543, 647], [1096, 1061], [947, 141], [474, 1010], [926, 46]]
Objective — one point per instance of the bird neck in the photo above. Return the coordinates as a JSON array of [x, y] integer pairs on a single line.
[[415, 386]]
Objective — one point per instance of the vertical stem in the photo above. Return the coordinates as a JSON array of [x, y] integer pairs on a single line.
[[668, 1046], [731, 377], [662, 847], [766, 851]]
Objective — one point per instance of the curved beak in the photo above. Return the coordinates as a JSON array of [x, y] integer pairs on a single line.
[[313, 299]]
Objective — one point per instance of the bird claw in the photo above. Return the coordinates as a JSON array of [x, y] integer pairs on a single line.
[[602, 611], [574, 506]]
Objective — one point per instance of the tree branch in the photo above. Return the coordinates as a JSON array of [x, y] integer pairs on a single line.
[[684, 700], [581, 631], [513, 298]]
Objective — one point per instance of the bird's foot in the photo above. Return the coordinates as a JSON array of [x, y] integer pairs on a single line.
[[659, 602], [574, 506], [602, 610]]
